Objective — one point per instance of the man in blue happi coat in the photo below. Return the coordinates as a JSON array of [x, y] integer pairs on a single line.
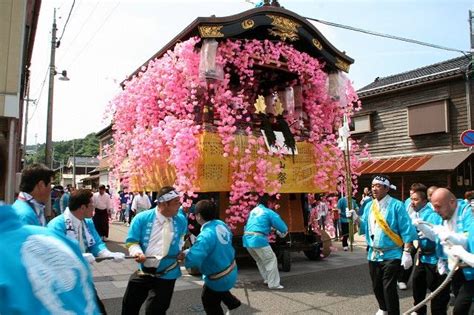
[[262, 219], [77, 225], [41, 272], [389, 233], [156, 233], [467, 257], [426, 275], [457, 220], [35, 190], [214, 255]]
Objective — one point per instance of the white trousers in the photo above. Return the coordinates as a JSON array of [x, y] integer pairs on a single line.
[[267, 264]]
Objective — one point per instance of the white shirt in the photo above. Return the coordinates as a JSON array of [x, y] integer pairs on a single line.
[[382, 207], [102, 201], [155, 245], [141, 203], [79, 236]]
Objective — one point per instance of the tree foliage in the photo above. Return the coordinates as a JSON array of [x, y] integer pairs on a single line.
[[62, 150]]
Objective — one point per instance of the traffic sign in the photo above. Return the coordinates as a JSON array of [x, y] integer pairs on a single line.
[[467, 138]]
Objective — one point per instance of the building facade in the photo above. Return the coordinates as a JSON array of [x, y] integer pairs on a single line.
[[18, 21], [413, 122]]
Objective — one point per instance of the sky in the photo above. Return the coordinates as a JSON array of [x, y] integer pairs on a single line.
[[106, 40]]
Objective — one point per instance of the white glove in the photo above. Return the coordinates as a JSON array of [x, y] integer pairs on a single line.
[[118, 256], [407, 261], [442, 267], [459, 251], [453, 238], [425, 231], [89, 257], [280, 234], [351, 214]]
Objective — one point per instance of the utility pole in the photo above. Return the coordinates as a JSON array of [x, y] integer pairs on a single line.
[[73, 163], [49, 121]]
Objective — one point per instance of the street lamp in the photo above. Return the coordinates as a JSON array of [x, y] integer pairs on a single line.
[[52, 73]]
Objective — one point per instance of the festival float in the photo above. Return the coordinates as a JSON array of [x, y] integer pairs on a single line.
[[234, 107]]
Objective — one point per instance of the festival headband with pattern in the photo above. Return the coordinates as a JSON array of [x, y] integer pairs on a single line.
[[383, 181], [168, 196]]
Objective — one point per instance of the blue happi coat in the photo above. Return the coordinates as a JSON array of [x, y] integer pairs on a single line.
[[463, 225], [212, 253], [41, 272], [140, 231], [381, 247], [58, 224], [26, 213], [261, 220], [342, 205], [427, 247]]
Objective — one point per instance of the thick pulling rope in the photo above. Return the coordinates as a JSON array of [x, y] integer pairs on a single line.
[[435, 292], [99, 259], [441, 286]]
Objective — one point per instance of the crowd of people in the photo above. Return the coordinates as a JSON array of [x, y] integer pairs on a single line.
[[432, 232]]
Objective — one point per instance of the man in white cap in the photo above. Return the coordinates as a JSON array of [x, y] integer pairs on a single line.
[[156, 233], [389, 234]]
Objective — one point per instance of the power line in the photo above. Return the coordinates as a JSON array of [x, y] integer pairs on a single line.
[[67, 20], [80, 30], [408, 40], [93, 36], [39, 96]]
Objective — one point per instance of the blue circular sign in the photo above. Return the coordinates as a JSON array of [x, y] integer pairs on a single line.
[[467, 138]]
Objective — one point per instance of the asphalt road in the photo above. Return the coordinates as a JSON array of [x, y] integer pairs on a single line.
[[337, 291]]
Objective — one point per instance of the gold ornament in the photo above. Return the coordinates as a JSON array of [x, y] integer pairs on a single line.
[[260, 105], [278, 107]]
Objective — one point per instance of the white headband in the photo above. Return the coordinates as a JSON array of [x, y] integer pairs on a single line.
[[168, 196], [383, 181]]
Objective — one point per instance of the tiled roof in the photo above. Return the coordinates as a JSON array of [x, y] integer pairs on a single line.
[[432, 72], [84, 161]]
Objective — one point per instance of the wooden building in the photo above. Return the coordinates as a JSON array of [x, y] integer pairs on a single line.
[[413, 121]]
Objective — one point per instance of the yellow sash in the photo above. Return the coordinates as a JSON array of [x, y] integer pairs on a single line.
[[383, 224]]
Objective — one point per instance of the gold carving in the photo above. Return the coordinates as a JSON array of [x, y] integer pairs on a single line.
[[284, 28], [249, 23], [317, 44], [260, 105], [344, 66], [211, 31]]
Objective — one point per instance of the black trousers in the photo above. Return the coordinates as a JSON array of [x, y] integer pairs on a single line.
[[384, 283], [211, 300], [156, 291], [464, 292], [426, 277], [131, 215], [101, 222], [344, 233]]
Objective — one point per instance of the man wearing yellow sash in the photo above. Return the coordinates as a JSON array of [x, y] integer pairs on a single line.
[[389, 233]]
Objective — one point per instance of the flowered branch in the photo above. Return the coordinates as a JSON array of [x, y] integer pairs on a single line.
[[158, 116]]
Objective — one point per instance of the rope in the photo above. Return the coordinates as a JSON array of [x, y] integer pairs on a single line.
[[442, 285], [435, 292]]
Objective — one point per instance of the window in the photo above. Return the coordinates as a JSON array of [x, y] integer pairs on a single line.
[[362, 123], [428, 118]]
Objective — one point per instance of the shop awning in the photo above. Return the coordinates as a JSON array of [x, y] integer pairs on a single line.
[[429, 162]]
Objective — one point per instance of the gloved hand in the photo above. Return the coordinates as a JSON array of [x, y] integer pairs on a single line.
[[351, 214], [453, 238], [459, 251], [442, 267], [118, 256], [425, 231], [407, 261], [280, 234], [89, 257]]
